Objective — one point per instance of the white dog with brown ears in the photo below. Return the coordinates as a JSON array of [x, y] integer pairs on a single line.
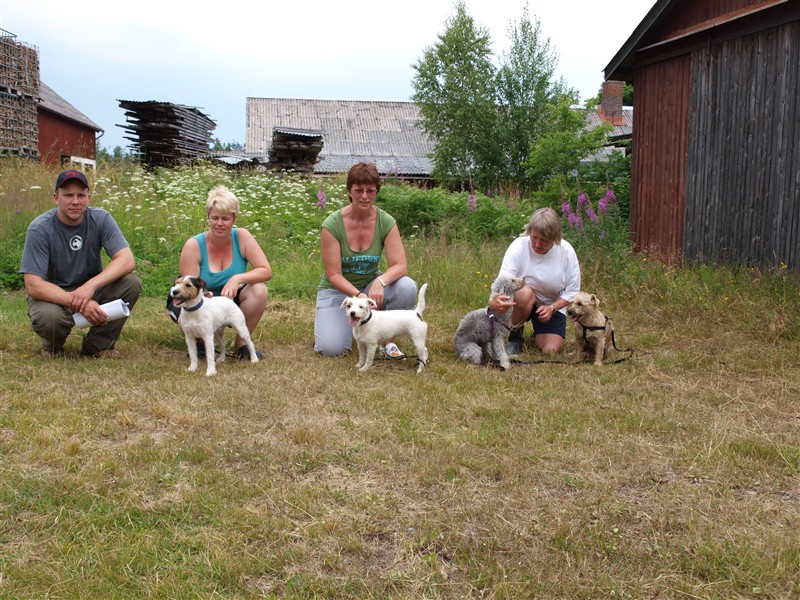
[[594, 332], [206, 316], [373, 328]]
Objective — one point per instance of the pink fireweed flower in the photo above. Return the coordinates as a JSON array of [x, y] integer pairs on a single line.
[[575, 221], [472, 199], [322, 199], [566, 209], [582, 199], [606, 201], [590, 213]]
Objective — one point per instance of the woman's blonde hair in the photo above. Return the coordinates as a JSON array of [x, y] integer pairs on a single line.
[[546, 223], [222, 199]]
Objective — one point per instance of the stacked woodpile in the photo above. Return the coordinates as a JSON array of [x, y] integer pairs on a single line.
[[19, 96], [295, 149], [166, 134]]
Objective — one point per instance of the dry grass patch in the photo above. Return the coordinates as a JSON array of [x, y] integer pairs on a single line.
[[672, 474]]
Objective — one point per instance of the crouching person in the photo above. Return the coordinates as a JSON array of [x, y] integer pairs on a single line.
[[64, 274]]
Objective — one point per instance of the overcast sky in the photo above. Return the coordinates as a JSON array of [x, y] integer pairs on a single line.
[[213, 55]]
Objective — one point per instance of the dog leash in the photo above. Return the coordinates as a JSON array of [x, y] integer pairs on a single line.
[[492, 316], [630, 351], [566, 363]]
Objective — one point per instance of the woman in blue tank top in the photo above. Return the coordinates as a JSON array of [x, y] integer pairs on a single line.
[[220, 256]]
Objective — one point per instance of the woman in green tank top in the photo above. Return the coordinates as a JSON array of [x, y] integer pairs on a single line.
[[353, 240]]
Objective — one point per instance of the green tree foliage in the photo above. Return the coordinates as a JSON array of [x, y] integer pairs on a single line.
[[485, 121], [116, 156], [218, 145], [627, 95], [454, 88], [558, 150], [118, 153], [527, 91]]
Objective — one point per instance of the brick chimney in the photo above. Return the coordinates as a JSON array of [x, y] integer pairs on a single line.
[[610, 109]]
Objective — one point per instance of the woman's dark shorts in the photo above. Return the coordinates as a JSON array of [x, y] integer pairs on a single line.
[[557, 324]]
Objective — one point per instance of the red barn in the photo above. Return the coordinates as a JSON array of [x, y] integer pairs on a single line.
[[716, 166], [66, 135]]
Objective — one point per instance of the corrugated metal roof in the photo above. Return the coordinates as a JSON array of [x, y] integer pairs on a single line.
[[50, 100], [619, 132], [385, 133], [298, 132]]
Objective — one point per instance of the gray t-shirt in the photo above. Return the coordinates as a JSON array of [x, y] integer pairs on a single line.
[[70, 256]]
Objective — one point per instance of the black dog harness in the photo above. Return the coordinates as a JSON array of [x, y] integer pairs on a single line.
[[613, 337], [596, 328], [494, 318]]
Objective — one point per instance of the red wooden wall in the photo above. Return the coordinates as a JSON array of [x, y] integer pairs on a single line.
[[61, 137]]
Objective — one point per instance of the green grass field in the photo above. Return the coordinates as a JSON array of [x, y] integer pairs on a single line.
[[675, 474]]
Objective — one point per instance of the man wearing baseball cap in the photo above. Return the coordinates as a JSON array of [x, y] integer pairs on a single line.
[[64, 274]]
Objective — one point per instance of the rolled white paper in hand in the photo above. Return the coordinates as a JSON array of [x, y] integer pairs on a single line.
[[116, 309]]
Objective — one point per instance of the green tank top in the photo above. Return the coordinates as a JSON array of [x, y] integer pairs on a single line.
[[359, 268]]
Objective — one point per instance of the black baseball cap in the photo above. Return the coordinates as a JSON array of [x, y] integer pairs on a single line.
[[67, 175]]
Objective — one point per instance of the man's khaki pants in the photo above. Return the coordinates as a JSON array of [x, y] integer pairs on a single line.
[[53, 322]]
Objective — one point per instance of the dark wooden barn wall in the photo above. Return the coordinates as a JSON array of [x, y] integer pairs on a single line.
[[660, 123], [743, 182], [59, 136], [697, 11]]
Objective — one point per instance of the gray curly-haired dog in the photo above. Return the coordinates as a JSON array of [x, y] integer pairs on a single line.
[[484, 332]]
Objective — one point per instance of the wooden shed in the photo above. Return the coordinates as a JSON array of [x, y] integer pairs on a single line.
[[716, 143], [66, 135]]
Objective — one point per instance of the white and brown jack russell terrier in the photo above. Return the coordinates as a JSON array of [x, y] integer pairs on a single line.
[[372, 328], [205, 316]]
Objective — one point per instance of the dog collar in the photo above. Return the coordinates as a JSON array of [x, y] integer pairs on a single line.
[[367, 319], [196, 306]]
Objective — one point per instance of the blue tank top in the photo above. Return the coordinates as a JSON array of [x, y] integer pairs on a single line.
[[217, 280]]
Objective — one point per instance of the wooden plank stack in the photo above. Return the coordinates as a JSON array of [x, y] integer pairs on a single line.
[[295, 149], [19, 96], [164, 134]]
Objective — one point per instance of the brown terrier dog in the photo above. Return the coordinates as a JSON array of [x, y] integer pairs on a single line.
[[594, 332]]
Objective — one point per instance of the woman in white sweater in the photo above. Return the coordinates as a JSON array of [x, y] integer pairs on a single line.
[[550, 268]]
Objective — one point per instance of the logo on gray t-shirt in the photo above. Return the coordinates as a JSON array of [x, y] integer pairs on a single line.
[[76, 242]]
